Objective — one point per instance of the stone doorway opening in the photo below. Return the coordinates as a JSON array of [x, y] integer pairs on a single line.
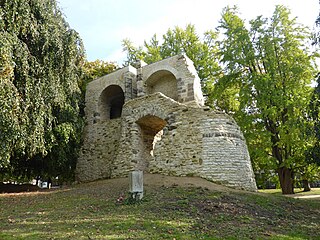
[[111, 102], [151, 131]]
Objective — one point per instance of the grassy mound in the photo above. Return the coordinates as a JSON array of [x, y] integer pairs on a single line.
[[173, 208]]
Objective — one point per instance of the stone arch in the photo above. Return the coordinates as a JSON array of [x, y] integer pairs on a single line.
[[150, 132], [111, 102], [163, 81], [139, 115]]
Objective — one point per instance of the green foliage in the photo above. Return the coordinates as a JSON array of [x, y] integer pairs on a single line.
[[311, 169], [270, 76], [313, 154], [134, 54], [316, 35], [96, 69], [40, 59], [203, 52]]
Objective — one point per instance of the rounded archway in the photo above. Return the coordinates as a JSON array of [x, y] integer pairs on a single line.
[[163, 81], [111, 102], [151, 131]]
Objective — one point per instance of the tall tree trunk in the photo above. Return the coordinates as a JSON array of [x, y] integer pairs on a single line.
[[286, 175], [306, 185], [286, 180]]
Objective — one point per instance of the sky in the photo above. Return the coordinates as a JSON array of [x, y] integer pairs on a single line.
[[103, 24]]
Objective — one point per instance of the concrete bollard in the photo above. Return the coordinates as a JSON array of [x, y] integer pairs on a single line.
[[136, 184]]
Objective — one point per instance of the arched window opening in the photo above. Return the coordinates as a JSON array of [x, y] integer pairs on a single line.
[[151, 133], [163, 81], [111, 102]]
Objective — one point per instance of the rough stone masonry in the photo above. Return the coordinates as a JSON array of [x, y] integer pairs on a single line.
[[152, 118]]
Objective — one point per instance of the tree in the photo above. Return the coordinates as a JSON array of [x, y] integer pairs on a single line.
[[316, 35], [41, 61], [311, 170], [269, 70], [133, 53]]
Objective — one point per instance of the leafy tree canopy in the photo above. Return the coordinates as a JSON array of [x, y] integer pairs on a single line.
[[269, 68], [40, 59]]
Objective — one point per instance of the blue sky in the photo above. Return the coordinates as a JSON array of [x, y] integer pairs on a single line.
[[103, 24]]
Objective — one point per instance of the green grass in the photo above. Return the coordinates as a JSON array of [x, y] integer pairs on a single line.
[[91, 211], [298, 191]]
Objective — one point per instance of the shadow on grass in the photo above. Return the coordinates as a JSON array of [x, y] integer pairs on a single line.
[[103, 227], [91, 212]]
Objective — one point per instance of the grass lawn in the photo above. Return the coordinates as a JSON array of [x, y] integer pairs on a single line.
[[168, 211], [298, 191]]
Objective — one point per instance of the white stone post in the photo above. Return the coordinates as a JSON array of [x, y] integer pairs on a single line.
[[136, 184]]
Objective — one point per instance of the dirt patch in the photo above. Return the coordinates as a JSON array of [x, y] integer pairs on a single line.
[[120, 186], [156, 180]]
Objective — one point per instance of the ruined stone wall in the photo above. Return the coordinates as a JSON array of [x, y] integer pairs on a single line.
[[179, 152], [211, 147], [161, 128], [181, 67], [132, 150], [224, 152], [166, 84], [124, 78], [101, 143]]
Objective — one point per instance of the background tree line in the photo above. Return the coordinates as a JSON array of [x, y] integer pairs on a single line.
[[260, 73]]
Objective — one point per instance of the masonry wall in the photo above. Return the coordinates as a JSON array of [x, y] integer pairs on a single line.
[[100, 147], [193, 142], [188, 82], [163, 128], [131, 153], [124, 78], [211, 146], [166, 84], [179, 153], [224, 152]]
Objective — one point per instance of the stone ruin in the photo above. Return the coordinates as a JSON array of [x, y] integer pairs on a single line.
[[152, 118]]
